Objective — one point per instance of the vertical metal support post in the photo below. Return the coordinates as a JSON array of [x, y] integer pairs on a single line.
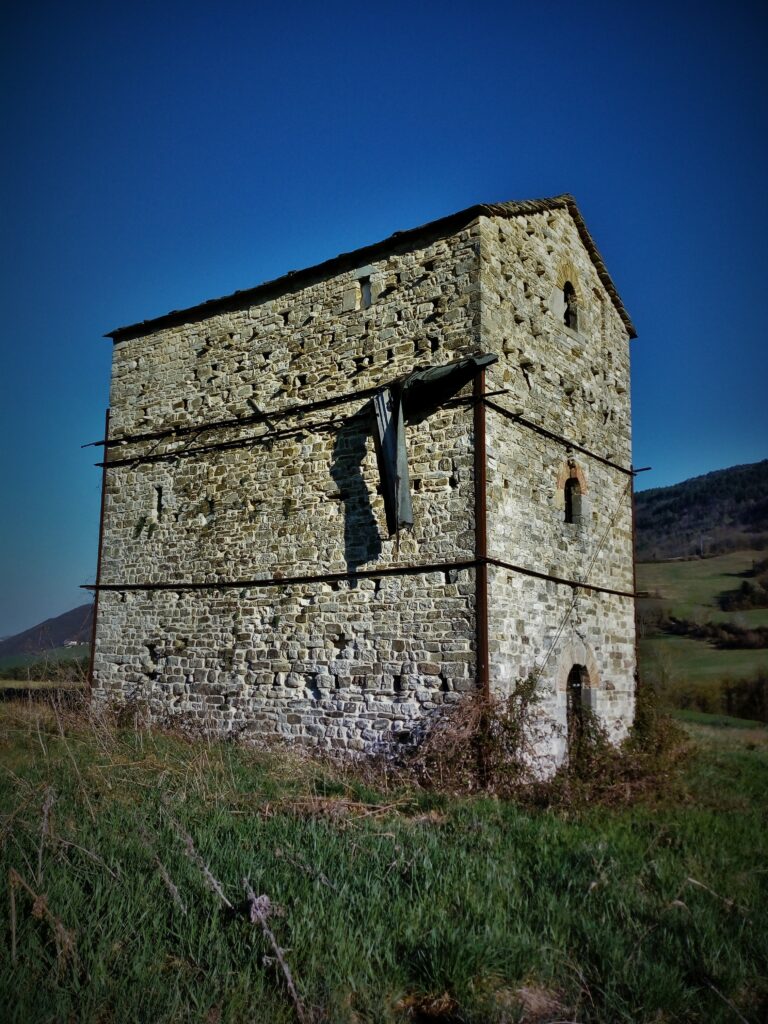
[[481, 535], [101, 543]]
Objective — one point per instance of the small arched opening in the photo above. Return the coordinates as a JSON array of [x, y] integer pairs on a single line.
[[571, 310], [571, 494], [572, 500]]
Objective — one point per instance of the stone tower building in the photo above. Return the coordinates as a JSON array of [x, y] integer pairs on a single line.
[[303, 535]]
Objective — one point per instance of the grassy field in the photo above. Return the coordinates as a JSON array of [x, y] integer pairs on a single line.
[[686, 660], [390, 904], [38, 684], [719, 722], [689, 590]]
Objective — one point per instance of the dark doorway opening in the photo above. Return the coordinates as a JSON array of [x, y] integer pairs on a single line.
[[575, 693]]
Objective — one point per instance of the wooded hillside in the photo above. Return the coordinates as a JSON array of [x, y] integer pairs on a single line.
[[722, 511]]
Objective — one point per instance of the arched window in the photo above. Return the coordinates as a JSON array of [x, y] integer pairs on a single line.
[[570, 313], [572, 496]]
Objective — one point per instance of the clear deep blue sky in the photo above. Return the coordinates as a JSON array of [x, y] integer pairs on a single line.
[[156, 155]]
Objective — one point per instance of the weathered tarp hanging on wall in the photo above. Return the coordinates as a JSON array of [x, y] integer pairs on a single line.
[[414, 396]]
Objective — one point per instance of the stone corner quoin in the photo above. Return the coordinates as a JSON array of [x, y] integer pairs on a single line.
[[295, 542]]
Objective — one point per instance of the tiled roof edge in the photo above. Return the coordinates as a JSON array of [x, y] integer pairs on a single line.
[[349, 260]]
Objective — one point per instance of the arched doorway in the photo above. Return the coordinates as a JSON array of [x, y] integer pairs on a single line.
[[576, 701]]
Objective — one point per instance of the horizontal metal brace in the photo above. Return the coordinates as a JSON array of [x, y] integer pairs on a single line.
[[555, 437], [299, 409], [575, 584], [252, 440], [239, 442], [360, 574]]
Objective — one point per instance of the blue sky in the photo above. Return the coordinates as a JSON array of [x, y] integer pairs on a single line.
[[160, 154]]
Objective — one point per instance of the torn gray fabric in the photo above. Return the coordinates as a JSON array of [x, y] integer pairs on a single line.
[[414, 396], [393, 458]]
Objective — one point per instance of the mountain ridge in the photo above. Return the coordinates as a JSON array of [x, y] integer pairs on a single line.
[[73, 626]]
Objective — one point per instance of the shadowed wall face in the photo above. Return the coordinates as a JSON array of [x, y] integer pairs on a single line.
[[362, 542], [575, 382]]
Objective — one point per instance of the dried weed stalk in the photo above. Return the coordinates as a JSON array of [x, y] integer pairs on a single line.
[[63, 937], [502, 747]]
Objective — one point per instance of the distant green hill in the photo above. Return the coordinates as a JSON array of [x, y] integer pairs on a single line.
[[722, 511], [61, 632]]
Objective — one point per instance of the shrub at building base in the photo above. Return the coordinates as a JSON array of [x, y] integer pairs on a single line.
[[501, 747]]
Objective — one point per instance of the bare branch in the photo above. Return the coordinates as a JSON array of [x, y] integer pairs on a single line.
[[260, 907], [213, 883], [724, 899], [45, 828]]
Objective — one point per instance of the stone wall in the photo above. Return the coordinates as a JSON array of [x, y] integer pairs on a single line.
[[575, 383], [342, 664], [233, 520], [335, 665]]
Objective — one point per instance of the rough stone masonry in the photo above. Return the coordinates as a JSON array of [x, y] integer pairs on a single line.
[[252, 577]]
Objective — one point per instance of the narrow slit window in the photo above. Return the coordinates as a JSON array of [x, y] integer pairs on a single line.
[[365, 292], [571, 312], [572, 495]]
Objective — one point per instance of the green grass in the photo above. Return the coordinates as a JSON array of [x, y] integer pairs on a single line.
[[717, 721], [689, 590], [683, 660], [39, 684], [385, 896]]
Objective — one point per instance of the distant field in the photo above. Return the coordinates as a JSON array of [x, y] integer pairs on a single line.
[[690, 589], [693, 661], [38, 684], [56, 655], [722, 722]]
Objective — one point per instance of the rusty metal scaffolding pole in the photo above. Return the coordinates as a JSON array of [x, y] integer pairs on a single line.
[[481, 535], [98, 556], [638, 680]]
